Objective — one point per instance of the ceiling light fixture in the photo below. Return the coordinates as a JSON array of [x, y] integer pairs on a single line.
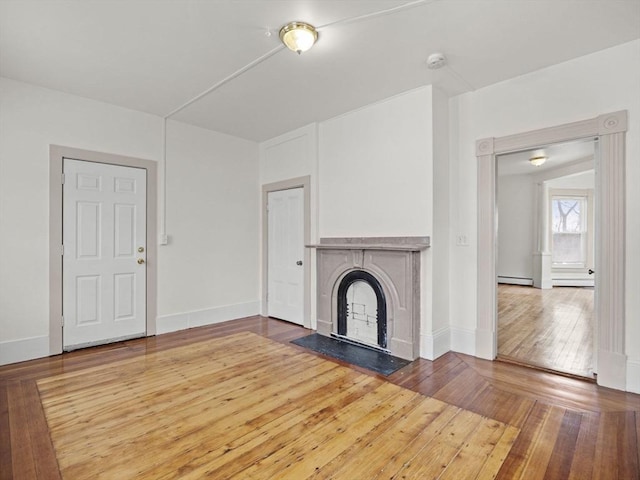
[[537, 160], [298, 36]]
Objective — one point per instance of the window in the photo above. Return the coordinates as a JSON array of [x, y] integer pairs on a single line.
[[569, 231]]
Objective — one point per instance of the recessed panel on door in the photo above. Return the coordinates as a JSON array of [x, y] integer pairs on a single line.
[[125, 230], [125, 296], [89, 220], [88, 293]]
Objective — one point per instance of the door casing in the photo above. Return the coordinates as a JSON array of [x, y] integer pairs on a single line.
[[304, 183], [56, 155], [609, 357]]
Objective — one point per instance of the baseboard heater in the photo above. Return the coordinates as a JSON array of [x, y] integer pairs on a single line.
[[516, 280]]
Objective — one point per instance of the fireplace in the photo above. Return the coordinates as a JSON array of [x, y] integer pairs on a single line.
[[368, 291]]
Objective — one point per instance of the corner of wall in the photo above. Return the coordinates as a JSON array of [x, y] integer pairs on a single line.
[[612, 370], [435, 345], [463, 340]]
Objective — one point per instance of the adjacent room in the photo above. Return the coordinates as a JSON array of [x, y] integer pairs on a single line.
[[319, 239]]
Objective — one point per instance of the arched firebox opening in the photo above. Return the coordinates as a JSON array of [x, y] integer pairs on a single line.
[[362, 309]]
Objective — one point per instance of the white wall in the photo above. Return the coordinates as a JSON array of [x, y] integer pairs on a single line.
[[517, 221], [376, 167], [209, 271], [376, 178], [32, 118], [289, 156], [516, 240], [579, 89]]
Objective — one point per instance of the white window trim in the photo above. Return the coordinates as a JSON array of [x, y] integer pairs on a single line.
[[574, 192]]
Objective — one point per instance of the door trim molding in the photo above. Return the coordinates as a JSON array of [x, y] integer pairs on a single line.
[[610, 130], [56, 154], [305, 184]]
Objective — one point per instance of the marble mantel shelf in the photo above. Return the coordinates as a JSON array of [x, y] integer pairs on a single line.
[[403, 244]]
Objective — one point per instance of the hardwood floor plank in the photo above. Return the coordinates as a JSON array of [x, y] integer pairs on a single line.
[[6, 466], [363, 459], [431, 462], [565, 446], [499, 454], [23, 459], [475, 452], [582, 461], [250, 447], [550, 328], [616, 448], [530, 454], [539, 403], [327, 439]]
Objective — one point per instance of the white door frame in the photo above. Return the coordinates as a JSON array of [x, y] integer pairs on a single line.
[[610, 130], [56, 155], [299, 182]]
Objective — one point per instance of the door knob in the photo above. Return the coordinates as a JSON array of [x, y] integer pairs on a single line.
[[141, 249], [140, 261], [299, 262]]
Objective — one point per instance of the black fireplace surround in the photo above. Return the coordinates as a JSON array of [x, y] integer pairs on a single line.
[[362, 276]]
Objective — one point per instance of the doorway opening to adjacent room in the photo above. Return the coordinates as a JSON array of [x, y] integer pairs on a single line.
[[545, 258]]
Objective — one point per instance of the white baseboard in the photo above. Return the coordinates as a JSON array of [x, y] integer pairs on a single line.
[[633, 376], [14, 351], [516, 281], [435, 345], [182, 321], [612, 370], [573, 282], [463, 340], [485, 344]]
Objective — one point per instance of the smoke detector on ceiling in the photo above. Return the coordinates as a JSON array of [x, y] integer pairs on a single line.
[[436, 60]]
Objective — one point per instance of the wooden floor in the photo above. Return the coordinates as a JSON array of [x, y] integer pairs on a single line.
[[552, 329], [568, 428]]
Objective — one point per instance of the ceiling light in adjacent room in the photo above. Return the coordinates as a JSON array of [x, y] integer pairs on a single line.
[[538, 160], [298, 36]]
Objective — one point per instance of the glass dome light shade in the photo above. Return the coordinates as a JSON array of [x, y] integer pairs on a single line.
[[298, 36]]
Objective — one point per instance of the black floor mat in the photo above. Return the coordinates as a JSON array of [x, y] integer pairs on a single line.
[[361, 356]]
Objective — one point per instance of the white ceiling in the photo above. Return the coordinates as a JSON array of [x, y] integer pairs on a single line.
[[154, 56], [558, 155]]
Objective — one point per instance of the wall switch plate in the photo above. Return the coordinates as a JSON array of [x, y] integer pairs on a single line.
[[163, 239], [462, 241]]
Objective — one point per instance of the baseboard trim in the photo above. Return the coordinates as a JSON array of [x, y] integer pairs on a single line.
[[633, 376], [14, 351], [435, 345], [210, 316], [463, 340], [516, 281], [612, 370], [572, 282]]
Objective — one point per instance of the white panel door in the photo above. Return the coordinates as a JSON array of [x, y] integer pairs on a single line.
[[104, 245], [285, 298]]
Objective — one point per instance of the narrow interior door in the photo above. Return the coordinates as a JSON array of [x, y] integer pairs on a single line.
[[285, 297]]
